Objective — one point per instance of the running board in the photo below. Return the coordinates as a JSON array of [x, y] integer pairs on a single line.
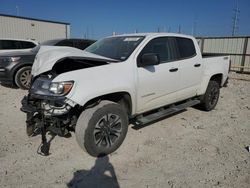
[[161, 113]]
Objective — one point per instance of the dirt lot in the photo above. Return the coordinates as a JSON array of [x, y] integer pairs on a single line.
[[191, 149]]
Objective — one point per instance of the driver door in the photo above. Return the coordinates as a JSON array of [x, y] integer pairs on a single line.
[[158, 84]]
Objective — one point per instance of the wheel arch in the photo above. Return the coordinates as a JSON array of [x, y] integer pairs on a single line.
[[218, 78], [123, 98]]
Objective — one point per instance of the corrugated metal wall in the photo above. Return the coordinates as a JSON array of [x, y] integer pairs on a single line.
[[237, 47], [13, 27]]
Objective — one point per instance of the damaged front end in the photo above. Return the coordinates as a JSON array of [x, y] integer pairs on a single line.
[[48, 110], [49, 105]]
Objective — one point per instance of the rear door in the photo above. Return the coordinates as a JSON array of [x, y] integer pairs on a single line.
[[158, 84], [190, 69]]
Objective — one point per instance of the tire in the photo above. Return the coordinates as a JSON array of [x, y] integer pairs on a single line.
[[102, 129], [211, 96], [22, 77]]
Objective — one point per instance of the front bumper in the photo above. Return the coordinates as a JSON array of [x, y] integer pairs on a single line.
[[5, 77], [45, 105], [7, 70], [55, 116]]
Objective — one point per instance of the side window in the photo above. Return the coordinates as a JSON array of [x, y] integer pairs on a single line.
[[10, 45], [1, 45], [65, 43], [26, 45], [164, 47], [81, 44], [186, 47]]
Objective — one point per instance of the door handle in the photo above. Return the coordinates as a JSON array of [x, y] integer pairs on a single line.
[[197, 65], [173, 69]]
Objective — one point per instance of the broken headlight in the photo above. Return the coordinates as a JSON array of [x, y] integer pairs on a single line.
[[45, 86], [60, 88]]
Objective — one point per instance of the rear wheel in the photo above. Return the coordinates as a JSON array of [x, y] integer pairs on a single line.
[[22, 77], [211, 96], [101, 130]]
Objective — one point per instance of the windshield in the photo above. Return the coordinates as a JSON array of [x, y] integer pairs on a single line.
[[118, 48]]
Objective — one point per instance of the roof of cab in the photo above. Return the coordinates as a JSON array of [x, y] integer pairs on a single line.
[[155, 35]]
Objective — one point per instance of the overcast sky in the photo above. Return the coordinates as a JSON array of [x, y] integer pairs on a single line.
[[99, 18]]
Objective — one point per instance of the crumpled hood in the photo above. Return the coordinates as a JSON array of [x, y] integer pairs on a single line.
[[49, 55]]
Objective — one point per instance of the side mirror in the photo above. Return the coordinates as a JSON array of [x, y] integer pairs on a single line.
[[149, 59]]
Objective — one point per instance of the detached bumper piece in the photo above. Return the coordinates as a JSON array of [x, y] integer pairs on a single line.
[[26, 107]]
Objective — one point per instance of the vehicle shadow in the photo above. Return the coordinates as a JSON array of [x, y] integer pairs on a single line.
[[101, 175]]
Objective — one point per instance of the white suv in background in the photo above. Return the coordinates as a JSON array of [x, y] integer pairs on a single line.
[[10, 45]]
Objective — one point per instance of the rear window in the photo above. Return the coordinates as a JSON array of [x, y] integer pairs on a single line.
[[65, 43], [186, 47], [26, 44], [82, 44]]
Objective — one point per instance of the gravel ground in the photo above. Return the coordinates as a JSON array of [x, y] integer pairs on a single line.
[[191, 149]]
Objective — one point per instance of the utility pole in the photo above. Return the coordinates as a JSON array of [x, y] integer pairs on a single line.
[[194, 28], [17, 10], [235, 19], [87, 31], [158, 29], [179, 29]]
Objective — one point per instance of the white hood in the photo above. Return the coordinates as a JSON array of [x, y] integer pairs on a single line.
[[49, 55]]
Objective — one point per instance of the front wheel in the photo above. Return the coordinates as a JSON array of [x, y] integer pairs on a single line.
[[211, 96], [101, 130]]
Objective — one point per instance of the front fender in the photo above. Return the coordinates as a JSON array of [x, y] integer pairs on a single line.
[[93, 82]]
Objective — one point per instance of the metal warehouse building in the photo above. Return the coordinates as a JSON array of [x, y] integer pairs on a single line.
[[237, 47], [30, 28]]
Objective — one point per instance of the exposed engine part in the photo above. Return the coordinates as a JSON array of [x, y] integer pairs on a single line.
[[52, 108], [73, 63]]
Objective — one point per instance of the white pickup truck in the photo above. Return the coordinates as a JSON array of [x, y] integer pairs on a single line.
[[135, 78]]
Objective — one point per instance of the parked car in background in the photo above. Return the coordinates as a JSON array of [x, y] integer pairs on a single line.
[[17, 45], [15, 67]]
